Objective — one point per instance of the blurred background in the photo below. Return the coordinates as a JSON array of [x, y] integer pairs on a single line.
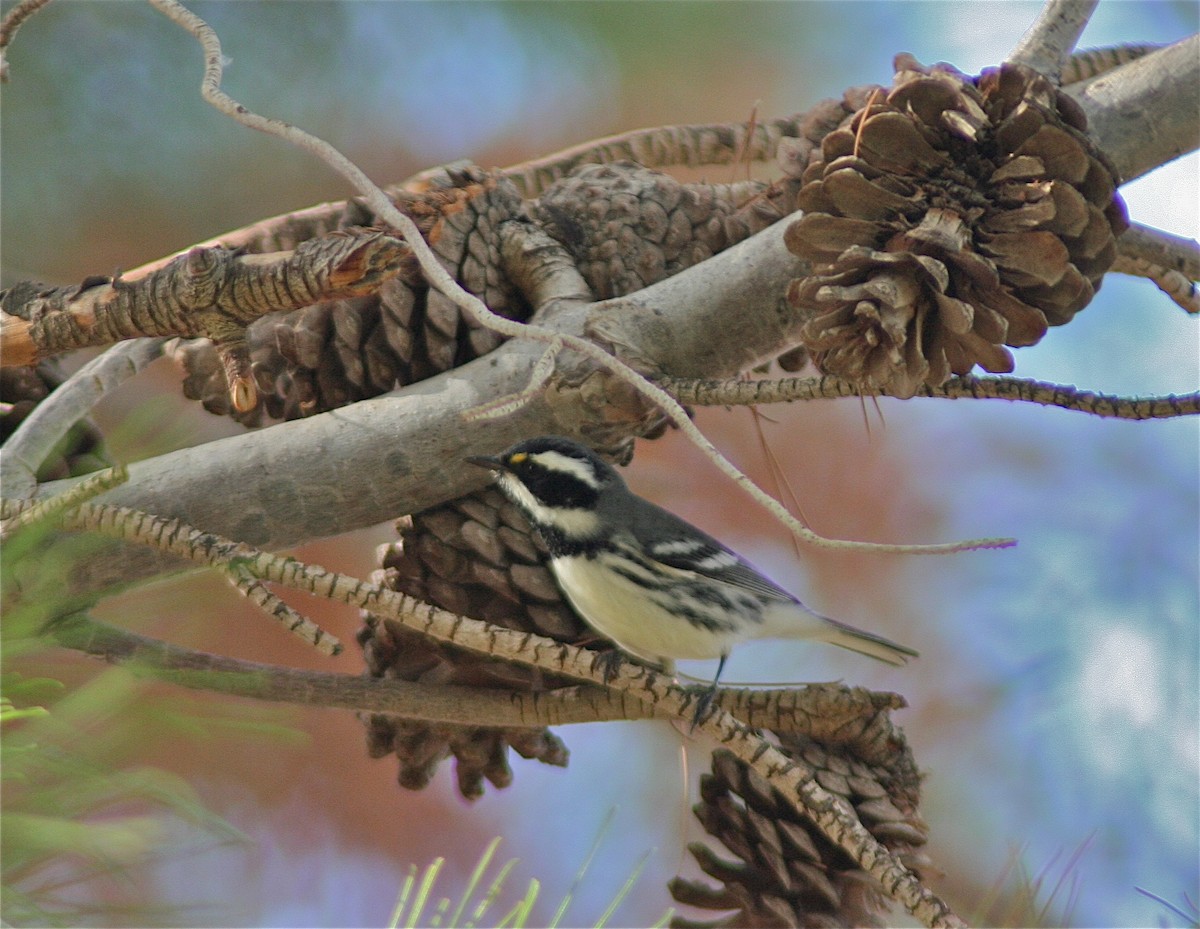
[[1054, 707]]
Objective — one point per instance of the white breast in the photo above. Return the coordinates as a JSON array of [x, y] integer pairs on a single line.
[[627, 613]]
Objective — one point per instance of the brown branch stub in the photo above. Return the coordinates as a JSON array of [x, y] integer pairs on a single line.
[[208, 292]]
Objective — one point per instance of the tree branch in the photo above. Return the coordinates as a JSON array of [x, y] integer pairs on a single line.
[[1144, 114], [824, 711], [32, 442], [1171, 262], [794, 778], [790, 389], [1049, 41]]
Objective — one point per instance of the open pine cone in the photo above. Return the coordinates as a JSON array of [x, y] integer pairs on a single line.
[[786, 873], [949, 218]]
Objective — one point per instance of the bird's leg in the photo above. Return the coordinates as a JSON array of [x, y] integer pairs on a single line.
[[705, 697]]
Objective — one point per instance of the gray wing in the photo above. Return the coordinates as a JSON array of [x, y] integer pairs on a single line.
[[678, 544]]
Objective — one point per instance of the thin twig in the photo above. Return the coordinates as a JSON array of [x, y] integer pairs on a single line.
[[36, 437], [91, 486], [789, 389], [1049, 41], [173, 536], [8, 28], [292, 620], [437, 276], [659, 147]]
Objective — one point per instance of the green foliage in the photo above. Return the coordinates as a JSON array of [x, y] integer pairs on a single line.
[[69, 819], [475, 901], [78, 819]]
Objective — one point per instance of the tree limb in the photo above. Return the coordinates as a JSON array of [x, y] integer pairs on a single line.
[[1144, 114], [38, 434], [794, 778], [1047, 44], [786, 390], [823, 711]]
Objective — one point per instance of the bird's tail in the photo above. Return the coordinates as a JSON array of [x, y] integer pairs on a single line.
[[865, 643]]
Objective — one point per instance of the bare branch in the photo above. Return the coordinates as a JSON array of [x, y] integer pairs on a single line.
[[1172, 262], [828, 712], [292, 620], [33, 441], [1143, 114], [1089, 62], [795, 779], [1049, 41], [12, 22], [790, 389], [207, 292], [91, 486], [659, 147]]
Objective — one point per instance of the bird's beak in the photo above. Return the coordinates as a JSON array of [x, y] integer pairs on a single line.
[[485, 461]]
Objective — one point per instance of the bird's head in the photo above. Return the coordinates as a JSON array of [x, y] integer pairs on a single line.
[[556, 482]]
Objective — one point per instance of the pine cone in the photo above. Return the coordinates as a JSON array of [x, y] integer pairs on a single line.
[[81, 450], [478, 557], [952, 217], [331, 354], [788, 874], [629, 227]]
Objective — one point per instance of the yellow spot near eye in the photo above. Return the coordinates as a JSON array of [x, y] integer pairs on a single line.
[[517, 458]]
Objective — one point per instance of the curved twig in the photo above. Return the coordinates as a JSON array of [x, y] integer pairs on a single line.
[[37, 435]]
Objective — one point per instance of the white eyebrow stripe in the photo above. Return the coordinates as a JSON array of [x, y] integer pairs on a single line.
[[557, 461]]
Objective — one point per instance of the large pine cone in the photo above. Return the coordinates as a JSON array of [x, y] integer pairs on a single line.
[[478, 557], [948, 219]]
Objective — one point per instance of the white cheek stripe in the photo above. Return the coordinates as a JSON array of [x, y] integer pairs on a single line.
[[557, 461], [573, 523]]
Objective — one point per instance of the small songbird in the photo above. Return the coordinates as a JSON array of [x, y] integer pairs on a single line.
[[654, 584]]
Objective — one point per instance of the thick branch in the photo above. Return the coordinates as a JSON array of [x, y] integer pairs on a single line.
[[1144, 114], [1049, 41]]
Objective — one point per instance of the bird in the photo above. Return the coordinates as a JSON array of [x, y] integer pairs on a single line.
[[655, 585]]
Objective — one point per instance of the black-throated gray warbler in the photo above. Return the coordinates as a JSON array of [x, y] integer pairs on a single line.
[[652, 583]]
